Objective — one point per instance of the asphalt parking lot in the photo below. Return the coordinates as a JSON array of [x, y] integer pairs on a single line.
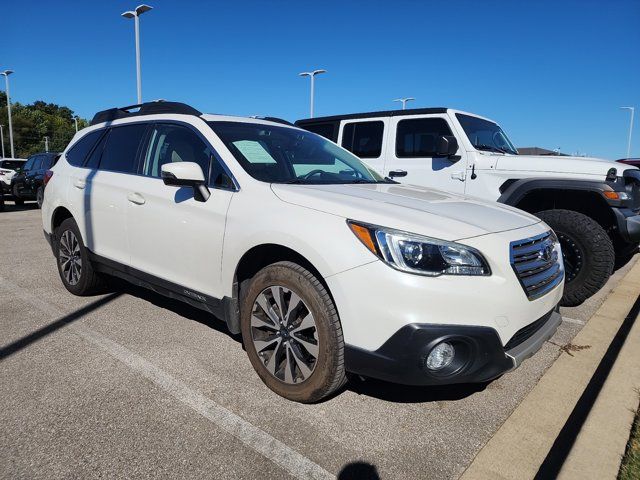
[[131, 384]]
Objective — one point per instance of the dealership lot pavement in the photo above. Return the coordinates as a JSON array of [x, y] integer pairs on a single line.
[[132, 384]]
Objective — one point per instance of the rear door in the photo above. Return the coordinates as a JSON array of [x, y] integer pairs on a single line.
[[171, 235], [365, 139], [414, 151], [105, 190]]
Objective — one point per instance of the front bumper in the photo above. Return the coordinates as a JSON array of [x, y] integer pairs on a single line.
[[481, 357], [628, 224]]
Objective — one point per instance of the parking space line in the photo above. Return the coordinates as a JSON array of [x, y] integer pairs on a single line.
[[260, 441], [573, 320]]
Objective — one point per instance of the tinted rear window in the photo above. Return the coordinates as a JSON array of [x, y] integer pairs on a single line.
[[81, 149], [363, 139], [120, 152], [11, 164], [327, 130]]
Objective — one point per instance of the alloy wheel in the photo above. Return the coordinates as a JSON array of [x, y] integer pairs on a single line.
[[284, 334], [571, 256], [69, 257]]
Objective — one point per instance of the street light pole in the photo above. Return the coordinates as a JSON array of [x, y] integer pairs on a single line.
[[46, 144], [404, 101], [2, 139], [75, 119], [632, 109], [135, 14], [6, 74], [312, 75]]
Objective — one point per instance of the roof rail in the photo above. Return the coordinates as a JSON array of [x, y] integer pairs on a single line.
[[148, 108], [273, 119]]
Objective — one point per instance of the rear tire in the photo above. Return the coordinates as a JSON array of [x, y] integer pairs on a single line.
[[16, 199], [297, 352], [72, 257], [587, 252]]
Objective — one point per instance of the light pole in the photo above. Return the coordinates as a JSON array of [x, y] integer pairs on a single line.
[[75, 119], [2, 139], [404, 101], [6, 74], [135, 14], [632, 109], [312, 75], [46, 144]]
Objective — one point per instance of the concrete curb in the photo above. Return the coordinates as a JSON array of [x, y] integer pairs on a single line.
[[546, 416]]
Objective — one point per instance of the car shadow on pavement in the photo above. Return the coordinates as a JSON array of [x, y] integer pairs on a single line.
[[176, 306], [392, 392]]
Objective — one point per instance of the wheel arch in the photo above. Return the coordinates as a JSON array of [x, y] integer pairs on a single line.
[[254, 260], [586, 197]]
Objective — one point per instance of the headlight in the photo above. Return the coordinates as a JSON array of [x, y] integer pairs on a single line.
[[417, 254]]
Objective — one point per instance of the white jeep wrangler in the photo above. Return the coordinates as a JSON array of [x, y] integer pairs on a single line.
[[593, 205]]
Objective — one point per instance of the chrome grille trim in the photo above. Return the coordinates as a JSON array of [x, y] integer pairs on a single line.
[[537, 263]]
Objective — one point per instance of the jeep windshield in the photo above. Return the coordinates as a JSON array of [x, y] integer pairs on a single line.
[[276, 154], [485, 135]]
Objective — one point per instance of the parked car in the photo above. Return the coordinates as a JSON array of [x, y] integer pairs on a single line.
[[630, 161], [28, 183], [593, 205], [323, 265], [8, 168]]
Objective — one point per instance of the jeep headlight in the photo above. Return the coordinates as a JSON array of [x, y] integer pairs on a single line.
[[418, 254]]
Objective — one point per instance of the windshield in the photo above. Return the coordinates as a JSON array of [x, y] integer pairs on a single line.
[[286, 155], [485, 135]]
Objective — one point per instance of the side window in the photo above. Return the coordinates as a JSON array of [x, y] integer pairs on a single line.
[[363, 139], [96, 154], [418, 137], [175, 143], [121, 149], [326, 130], [81, 149]]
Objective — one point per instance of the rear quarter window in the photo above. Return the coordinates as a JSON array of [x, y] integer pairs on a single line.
[[77, 154]]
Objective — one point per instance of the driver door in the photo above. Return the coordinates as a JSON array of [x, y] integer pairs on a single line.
[[414, 152]]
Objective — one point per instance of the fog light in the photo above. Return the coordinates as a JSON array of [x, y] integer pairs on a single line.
[[440, 356]]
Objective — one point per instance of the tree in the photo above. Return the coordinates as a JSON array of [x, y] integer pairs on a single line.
[[33, 122]]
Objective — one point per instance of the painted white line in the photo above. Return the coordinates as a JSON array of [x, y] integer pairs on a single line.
[[573, 320], [293, 462]]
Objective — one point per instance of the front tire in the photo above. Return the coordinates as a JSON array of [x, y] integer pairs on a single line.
[[587, 252], [72, 257], [292, 333]]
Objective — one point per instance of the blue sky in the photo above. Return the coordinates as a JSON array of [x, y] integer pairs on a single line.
[[552, 73]]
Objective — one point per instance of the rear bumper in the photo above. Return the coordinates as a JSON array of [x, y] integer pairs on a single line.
[[480, 355]]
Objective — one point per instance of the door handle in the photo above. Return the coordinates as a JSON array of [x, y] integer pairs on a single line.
[[458, 176], [135, 197], [78, 183]]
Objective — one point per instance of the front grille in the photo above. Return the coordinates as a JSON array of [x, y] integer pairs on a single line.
[[527, 332], [537, 264]]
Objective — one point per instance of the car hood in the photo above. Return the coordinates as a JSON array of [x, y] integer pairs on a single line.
[[410, 208], [558, 164]]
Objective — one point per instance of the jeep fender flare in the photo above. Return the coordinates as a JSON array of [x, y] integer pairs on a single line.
[[518, 189]]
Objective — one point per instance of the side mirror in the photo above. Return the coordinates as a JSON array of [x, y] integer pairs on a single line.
[[447, 146], [186, 174]]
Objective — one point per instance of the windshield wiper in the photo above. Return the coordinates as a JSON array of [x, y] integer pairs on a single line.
[[491, 148], [295, 180]]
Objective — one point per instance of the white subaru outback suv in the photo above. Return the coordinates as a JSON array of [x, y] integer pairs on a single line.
[[323, 266]]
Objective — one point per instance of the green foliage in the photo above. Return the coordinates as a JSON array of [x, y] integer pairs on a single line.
[[630, 468], [31, 123]]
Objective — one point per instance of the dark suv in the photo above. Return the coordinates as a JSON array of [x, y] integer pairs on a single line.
[[28, 183]]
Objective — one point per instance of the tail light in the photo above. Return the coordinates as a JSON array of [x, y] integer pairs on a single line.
[[47, 176]]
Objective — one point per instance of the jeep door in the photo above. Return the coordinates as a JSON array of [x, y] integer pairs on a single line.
[[415, 151], [365, 139], [173, 236]]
